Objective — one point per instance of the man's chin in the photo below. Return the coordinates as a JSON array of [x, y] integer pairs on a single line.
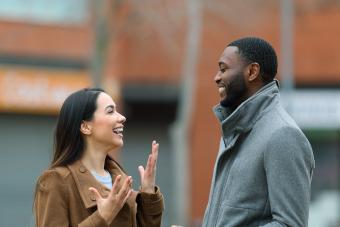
[[228, 102], [225, 102]]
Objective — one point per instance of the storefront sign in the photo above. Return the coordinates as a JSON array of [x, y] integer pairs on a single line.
[[36, 90], [314, 108]]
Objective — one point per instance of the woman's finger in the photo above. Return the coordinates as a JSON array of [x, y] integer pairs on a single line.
[[96, 193], [127, 196], [125, 188], [148, 164], [115, 186], [155, 154], [155, 146], [141, 172]]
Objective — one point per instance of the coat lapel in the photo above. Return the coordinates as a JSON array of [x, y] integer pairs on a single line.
[[84, 180]]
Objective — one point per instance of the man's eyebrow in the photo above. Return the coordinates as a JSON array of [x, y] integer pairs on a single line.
[[222, 63]]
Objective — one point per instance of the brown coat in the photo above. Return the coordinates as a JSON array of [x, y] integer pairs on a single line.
[[63, 200]]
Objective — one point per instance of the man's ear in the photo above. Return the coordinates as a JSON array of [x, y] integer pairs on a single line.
[[254, 72], [85, 128]]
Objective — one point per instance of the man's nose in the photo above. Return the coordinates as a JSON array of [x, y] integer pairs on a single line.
[[217, 77]]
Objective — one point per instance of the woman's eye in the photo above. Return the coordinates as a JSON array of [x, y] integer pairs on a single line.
[[110, 111]]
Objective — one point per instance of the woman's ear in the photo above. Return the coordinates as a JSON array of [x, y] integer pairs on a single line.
[[254, 72], [85, 128]]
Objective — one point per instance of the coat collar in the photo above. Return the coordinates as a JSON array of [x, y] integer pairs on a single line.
[[84, 180], [244, 117]]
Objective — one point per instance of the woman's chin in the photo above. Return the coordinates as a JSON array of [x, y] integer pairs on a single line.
[[116, 144], [119, 143]]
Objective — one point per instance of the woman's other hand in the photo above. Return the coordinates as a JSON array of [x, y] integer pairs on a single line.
[[109, 207], [148, 175]]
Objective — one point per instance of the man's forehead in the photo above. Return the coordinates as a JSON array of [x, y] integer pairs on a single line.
[[229, 55]]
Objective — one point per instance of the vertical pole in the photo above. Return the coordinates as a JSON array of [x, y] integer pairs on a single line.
[[100, 42], [180, 129], [287, 56]]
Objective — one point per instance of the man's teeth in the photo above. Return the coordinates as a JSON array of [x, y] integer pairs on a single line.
[[118, 130], [221, 89]]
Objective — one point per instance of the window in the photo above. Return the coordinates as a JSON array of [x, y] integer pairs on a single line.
[[64, 12]]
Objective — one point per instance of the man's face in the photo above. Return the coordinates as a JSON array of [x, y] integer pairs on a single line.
[[230, 78]]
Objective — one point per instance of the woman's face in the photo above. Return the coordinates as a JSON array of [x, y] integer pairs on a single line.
[[107, 124]]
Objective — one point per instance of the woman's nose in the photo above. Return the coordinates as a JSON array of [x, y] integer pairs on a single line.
[[122, 119]]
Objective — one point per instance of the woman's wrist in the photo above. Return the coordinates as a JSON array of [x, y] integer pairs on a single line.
[[150, 190], [107, 216], [108, 219]]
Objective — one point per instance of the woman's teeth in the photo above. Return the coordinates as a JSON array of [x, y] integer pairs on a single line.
[[118, 130]]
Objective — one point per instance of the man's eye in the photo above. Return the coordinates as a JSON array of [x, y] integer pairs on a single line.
[[222, 70], [110, 111]]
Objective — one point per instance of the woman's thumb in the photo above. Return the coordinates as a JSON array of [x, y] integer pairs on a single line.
[[96, 193]]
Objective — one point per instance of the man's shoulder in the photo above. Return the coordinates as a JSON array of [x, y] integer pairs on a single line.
[[277, 124], [277, 118], [280, 127]]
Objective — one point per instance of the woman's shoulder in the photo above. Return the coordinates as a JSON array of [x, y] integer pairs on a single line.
[[54, 177]]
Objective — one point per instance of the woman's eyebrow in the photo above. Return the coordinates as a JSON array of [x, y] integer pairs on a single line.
[[110, 106]]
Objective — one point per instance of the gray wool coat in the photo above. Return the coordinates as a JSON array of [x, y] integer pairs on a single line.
[[263, 171]]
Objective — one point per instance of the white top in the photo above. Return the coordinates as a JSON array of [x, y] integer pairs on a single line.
[[105, 180]]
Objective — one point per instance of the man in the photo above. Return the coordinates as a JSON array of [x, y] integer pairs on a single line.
[[263, 171]]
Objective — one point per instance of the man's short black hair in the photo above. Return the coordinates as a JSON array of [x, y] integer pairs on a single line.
[[253, 49]]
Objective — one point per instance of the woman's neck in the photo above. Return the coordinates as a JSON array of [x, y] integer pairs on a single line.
[[94, 159]]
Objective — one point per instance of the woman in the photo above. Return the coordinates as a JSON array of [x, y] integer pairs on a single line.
[[77, 189]]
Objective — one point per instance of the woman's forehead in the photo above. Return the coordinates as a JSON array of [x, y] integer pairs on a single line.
[[105, 100]]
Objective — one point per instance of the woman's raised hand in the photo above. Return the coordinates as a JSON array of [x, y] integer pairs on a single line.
[[148, 175], [109, 207]]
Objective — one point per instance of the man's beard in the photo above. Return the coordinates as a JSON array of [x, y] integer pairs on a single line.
[[235, 92]]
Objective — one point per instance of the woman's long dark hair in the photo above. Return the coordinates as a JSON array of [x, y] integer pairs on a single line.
[[68, 141]]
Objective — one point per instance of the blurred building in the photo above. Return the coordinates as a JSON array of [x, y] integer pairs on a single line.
[[314, 102], [52, 48], [138, 52]]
